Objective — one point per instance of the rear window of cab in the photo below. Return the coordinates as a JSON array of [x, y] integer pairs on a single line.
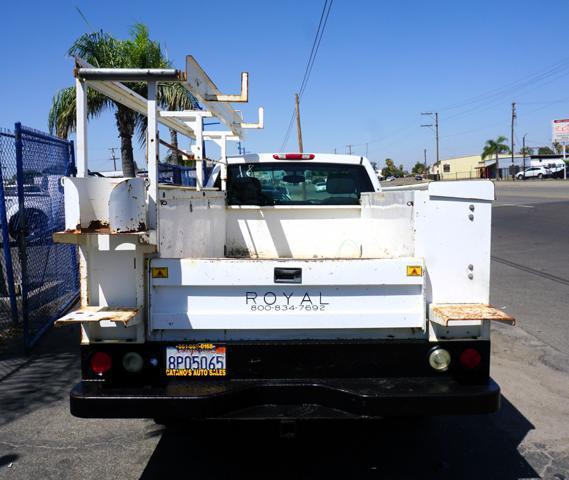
[[287, 183]]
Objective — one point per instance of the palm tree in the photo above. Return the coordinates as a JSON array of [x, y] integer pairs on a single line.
[[102, 50], [495, 147]]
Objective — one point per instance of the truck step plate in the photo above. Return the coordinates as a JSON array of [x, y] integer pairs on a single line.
[[196, 360]]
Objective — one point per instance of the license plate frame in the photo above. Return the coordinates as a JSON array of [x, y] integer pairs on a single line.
[[201, 360]]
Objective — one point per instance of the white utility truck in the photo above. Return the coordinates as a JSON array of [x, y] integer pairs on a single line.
[[286, 285]]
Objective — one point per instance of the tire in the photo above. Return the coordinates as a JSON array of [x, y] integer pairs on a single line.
[[36, 222]]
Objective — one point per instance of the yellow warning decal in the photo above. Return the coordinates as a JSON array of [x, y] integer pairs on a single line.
[[414, 271], [159, 272]]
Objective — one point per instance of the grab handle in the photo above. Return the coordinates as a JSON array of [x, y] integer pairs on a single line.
[[288, 275]]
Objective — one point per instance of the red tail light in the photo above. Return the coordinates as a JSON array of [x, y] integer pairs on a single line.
[[101, 363], [470, 358], [293, 156]]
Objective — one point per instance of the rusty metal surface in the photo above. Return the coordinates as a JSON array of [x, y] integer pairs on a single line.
[[470, 312], [75, 236], [98, 314]]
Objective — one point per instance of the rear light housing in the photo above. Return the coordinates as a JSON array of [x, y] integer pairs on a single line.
[[470, 358], [101, 363], [132, 362], [439, 359], [293, 156]]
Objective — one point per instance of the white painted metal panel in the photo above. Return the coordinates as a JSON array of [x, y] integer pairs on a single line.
[[203, 88], [117, 203], [86, 200], [294, 232], [127, 206], [387, 224], [314, 307], [242, 294], [192, 224], [276, 334], [235, 272], [453, 237], [382, 227]]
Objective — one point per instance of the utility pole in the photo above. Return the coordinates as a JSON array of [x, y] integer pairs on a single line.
[[437, 138], [298, 127], [435, 115], [366, 150], [564, 166], [524, 150], [512, 140], [349, 147], [425, 161], [113, 157]]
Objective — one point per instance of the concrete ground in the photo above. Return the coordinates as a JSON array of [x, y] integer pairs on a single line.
[[527, 438]]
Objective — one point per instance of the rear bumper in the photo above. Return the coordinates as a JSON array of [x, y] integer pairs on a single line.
[[322, 398]]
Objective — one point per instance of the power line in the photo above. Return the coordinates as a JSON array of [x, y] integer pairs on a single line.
[[83, 17], [310, 57], [522, 89], [507, 88], [310, 63], [491, 98], [288, 130]]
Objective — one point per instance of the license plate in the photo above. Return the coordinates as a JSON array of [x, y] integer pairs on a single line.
[[195, 360]]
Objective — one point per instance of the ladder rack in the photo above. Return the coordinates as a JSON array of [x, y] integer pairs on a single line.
[[108, 81]]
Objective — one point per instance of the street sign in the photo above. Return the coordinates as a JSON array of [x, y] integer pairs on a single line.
[[560, 130]]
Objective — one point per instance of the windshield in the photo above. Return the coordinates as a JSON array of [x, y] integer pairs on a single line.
[[289, 183]]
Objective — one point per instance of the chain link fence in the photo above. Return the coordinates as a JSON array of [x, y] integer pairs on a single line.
[[170, 174], [46, 275], [8, 204]]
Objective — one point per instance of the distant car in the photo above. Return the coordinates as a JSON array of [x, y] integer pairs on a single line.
[[320, 186], [390, 178], [418, 177], [533, 172]]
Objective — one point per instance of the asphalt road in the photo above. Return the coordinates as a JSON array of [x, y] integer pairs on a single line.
[[527, 438]]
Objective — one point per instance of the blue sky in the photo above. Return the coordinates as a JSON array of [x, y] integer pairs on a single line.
[[380, 64]]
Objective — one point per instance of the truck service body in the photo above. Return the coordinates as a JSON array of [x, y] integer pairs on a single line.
[[287, 286]]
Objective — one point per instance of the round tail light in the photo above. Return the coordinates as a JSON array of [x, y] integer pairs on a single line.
[[470, 358], [439, 359], [132, 362], [101, 363]]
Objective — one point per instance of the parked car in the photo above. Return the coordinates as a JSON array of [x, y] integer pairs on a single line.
[[533, 172], [418, 177], [390, 178], [43, 205], [320, 186]]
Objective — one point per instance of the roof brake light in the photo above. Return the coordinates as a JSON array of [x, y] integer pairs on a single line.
[[293, 156]]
